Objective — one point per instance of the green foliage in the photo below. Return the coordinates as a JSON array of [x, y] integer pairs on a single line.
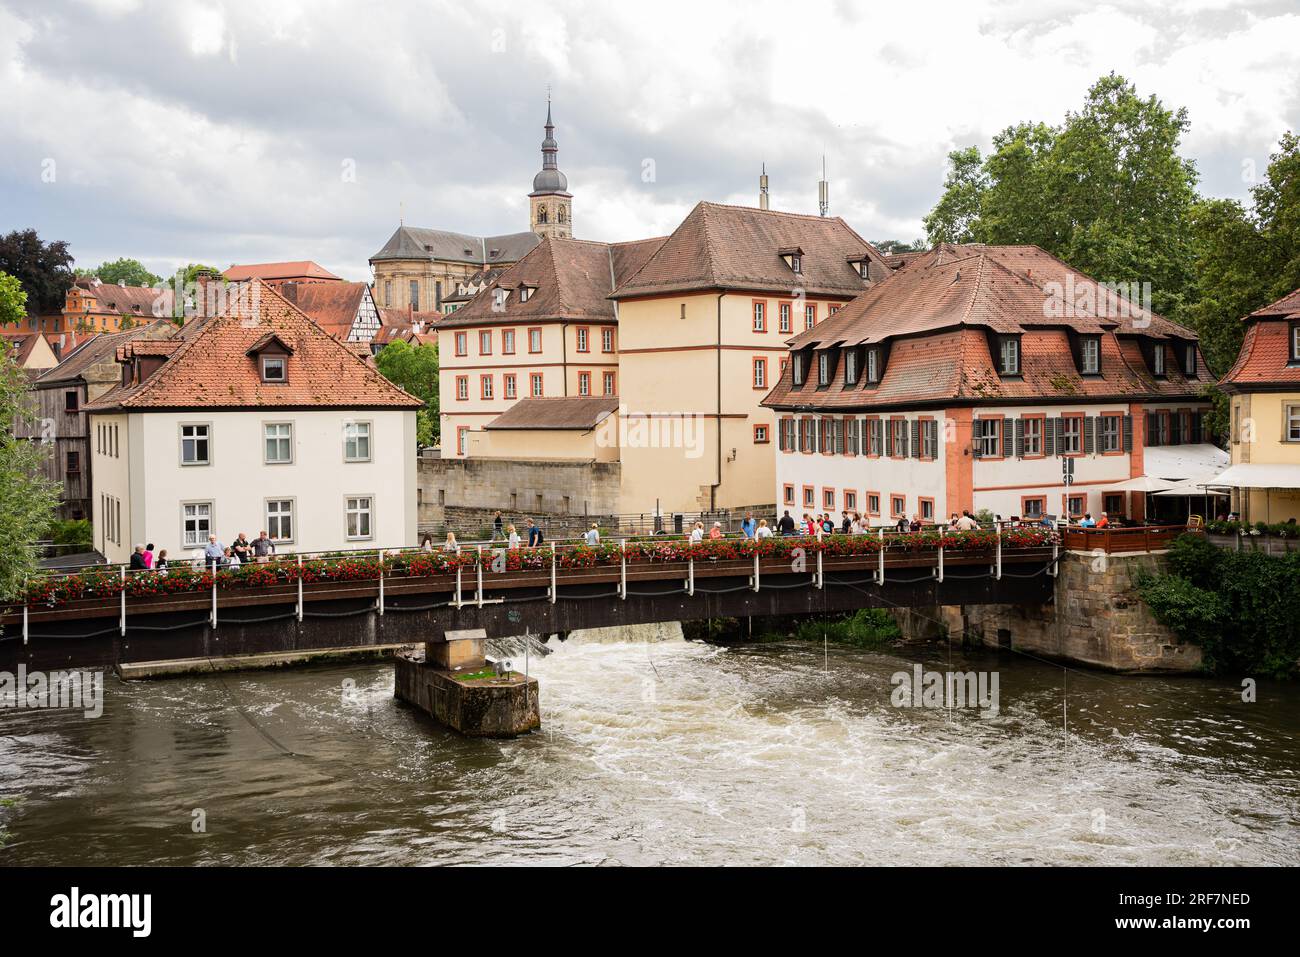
[[73, 531], [27, 498], [44, 269], [890, 246], [865, 628], [13, 300], [415, 369], [128, 272], [1242, 608], [1106, 191]]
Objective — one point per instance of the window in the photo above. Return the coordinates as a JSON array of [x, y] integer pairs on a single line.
[[196, 444], [356, 441], [525, 293], [823, 368], [1292, 423], [850, 366], [534, 340], [828, 499], [1110, 437], [607, 340], [388, 292], [898, 438], [462, 439], [1033, 506], [499, 297], [760, 435], [927, 509], [485, 386], [1189, 360], [462, 343], [797, 372], [1071, 435], [787, 494], [1158, 358], [196, 524], [850, 500], [1090, 352], [415, 295], [783, 311], [509, 385], [485, 343], [357, 517], [1112, 503], [810, 315], [760, 316], [1031, 436], [897, 506], [760, 373], [279, 443], [279, 519], [988, 438], [873, 365], [1009, 355], [535, 384], [611, 383], [272, 368], [873, 503], [809, 496], [70, 401], [73, 464], [462, 387], [1295, 342], [584, 383], [507, 342], [874, 437], [929, 439], [796, 263], [807, 435], [583, 344], [1074, 505], [832, 310]]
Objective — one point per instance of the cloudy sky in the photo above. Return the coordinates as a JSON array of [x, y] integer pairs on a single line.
[[225, 131]]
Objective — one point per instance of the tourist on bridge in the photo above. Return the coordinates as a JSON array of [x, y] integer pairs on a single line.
[[534, 534], [786, 524], [263, 547], [592, 537], [1104, 521], [213, 552], [451, 545], [902, 525], [762, 531], [966, 523], [716, 531], [160, 563], [496, 526], [697, 533], [512, 537], [137, 559], [242, 548], [748, 526], [148, 555]]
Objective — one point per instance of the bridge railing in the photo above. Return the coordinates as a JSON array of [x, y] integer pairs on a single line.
[[467, 564], [1143, 538]]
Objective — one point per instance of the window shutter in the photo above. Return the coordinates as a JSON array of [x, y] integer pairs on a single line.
[[1020, 438], [1153, 434], [1060, 435], [1049, 437], [1008, 438], [976, 445], [916, 438], [902, 437], [1089, 425], [889, 436], [839, 436], [1128, 433], [1196, 428]]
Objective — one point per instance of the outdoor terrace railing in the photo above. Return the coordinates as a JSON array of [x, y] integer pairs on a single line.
[[1142, 538]]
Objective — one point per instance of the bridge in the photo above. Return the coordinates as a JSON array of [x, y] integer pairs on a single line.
[[108, 615]]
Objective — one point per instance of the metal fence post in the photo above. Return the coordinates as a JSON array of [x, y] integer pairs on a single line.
[[300, 587], [214, 594], [941, 535], [998, 570], [553, 584], [381, 583], [690, 576], [478, 560], [880, 570], [821, 575], [121, 618], [756, 585], [622, 570]]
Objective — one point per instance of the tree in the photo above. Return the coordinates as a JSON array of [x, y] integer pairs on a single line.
[[27, 499], [415, 369], [1106, 191], [13, 300], [44, 269], [128, 272]]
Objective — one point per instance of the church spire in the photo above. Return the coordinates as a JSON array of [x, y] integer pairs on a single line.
[[549, 202]]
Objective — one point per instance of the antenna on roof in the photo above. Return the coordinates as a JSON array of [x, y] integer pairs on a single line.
[[823, 190], [401, 212], [762, 188]]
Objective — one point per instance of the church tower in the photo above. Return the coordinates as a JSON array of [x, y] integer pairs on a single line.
[[550, 202]]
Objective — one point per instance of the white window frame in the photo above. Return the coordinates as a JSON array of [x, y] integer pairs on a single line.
[[368, 511], [1031, 444], [1158, 359], [200, 538], [990, 438], [1009, 356], [356, 432], [1091, 355], [1291, 423], [207, 437], [536, 385], [1071, 435], [273, 522], [267, 438], [284, 370], [1109, 433]]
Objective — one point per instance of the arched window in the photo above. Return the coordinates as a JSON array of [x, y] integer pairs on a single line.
[[563, 213], [541, 213]]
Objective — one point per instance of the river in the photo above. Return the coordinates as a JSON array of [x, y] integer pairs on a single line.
[[663, 752]]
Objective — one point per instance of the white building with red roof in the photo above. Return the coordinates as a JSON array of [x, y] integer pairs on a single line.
[[979, 377], [252, 419]]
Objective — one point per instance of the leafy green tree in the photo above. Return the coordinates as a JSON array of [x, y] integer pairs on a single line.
[[27, 499], [44, 269], [128, 272], [1106, 191], [891, 246], [13, 300], [415, 369]]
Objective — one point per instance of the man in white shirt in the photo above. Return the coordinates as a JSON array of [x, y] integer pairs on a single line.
[[593, 535]]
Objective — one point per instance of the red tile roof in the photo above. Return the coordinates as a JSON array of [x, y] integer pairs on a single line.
[[209, 368], [1287, 306], [577, 413], [568, 279], [739, 248], [935, 317], [1264, 361], [331, 305], [300, 269], [123, 300]]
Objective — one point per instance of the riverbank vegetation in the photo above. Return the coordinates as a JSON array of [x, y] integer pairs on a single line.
[[1242, 608]]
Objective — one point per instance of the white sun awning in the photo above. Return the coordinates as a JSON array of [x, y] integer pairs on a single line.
[[1182, 463], [1143, 483], [1258, 475]]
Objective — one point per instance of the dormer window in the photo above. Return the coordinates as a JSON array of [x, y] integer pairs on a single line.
[[798, 374], [1158, 359], [850, 366], [1009, 355], [873, 365], [793, 257], [1295, 342], [273, 369], [823, 368], [796, 263], [1189, 360], [525, 293], [499, 297], [1090, 355]]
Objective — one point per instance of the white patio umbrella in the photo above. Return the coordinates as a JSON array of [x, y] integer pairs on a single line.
[[1143, 483]]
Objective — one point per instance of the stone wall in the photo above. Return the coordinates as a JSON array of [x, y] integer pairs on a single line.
[[1097, 619], [518, 487]]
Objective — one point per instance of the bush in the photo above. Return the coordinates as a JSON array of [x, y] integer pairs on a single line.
[[74, 531], [865, 628]]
